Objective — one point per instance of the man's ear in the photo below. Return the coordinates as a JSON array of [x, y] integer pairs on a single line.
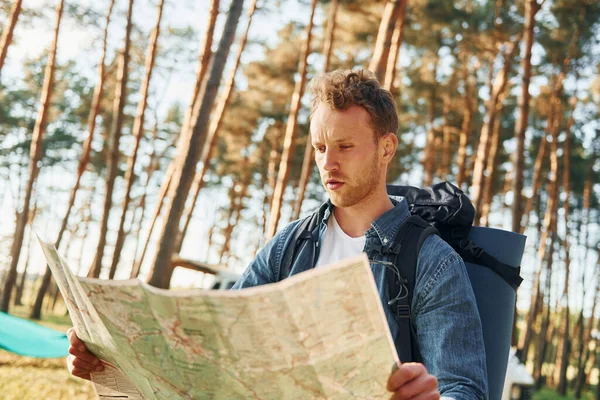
[[388, 145]]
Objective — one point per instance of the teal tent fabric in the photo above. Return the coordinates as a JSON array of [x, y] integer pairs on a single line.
[[27, 338]]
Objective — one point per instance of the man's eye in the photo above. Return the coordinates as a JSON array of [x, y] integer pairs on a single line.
[[345, 147], [320, 149]]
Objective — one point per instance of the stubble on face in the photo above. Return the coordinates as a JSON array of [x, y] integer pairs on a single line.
[[356, 188]]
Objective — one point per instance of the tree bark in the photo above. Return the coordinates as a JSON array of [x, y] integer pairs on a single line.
[[21, 284], [379, 61], [531, 8], [215, 125], [162, 194], [229, 227], [203, 63], [150, 168], [466, 124], [8, 32], [444, 165], [189, 153], [138, 132], [237, 204], [549, 222], [536, 180], [397, 36], [35, 155], [545, 333], [290, 132], [307, 163], [585, 338], [204, 60], [565, 346], [490, 172], [429, 151], [114, 139], [83, 162], [484, 142]]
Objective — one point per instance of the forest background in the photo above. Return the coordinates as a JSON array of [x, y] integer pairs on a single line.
[[142, 135]]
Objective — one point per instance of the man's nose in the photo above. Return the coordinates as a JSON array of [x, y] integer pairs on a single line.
[[330, 160]]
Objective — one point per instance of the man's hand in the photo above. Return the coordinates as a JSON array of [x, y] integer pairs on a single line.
[[411, 381], [80, 361]]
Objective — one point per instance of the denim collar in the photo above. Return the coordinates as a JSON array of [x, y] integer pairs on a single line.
[[386, 226]]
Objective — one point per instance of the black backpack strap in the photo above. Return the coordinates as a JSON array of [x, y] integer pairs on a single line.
[[302, 233], [406, 247], [470, 252]]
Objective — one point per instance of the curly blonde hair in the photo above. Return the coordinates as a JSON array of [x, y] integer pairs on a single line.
[[341, 89]]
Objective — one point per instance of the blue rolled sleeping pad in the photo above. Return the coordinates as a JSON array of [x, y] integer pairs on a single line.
[[495, 299]]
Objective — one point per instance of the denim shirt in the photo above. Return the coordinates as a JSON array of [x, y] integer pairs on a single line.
[[443, 306]]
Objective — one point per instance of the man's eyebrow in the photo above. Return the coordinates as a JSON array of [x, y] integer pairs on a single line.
[[338, 140], [343, 139]]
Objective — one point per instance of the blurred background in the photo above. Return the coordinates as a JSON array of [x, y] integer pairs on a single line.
[[141, 136]]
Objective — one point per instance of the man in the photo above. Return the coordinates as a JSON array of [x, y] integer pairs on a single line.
[[353, 130]]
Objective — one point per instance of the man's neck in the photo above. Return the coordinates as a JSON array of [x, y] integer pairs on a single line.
[[357, 219]]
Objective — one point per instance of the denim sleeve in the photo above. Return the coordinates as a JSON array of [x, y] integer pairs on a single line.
[[448, 323], [265, 267]]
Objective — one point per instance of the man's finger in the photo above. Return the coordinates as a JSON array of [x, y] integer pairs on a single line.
[[424, 384], [405, 373], [82, 375], [82, 365], [84, 355], [435, 395], [75, 341]]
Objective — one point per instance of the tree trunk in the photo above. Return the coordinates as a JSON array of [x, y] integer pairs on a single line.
[[86, 227], [8, 31], [543, 340], [229, 228], [138, 132], [484, 142], [531, 8], [397, 36], [549, 222], [379, 61], [429, 151], [115, 136], [203, 63], [21, 284], [274, 158], [189, 153], [83, 162], [237, 203], [536, 180], [35, 155], [290, 132], [308, 162], [466, 124], [162, 194], [585, 337], [490, 172], [444, 165], [213, 131], [150, 168], [204, 59], [565, 347]]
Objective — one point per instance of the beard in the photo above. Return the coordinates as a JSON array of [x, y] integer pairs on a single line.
[[355, 188]]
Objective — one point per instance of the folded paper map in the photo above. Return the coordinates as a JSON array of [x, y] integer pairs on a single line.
[[321, 334]]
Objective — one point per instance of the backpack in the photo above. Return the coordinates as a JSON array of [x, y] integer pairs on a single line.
[[443, 210]]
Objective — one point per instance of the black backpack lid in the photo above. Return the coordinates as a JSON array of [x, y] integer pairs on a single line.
[[442, 205]]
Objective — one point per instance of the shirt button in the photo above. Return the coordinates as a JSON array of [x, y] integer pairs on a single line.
[[385, 240]]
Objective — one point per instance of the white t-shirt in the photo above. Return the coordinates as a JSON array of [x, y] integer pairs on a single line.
[[337, 245]]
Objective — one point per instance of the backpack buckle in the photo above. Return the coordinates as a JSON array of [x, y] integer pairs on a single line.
[[471, 248], [376, 247], [403, 311]]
